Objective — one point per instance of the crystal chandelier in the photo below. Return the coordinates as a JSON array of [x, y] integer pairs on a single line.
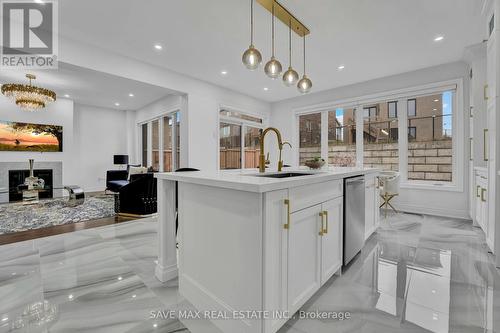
[[27, 96]]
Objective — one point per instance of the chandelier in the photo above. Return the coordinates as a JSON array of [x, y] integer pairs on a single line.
[[252, 58], [27, 96]]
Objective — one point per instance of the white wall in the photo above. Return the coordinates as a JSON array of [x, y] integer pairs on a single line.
[[99, 134], [201, 99], [429, 201], [58, 113], [91, 136]]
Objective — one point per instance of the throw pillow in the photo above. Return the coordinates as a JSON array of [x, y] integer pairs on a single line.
[[136, 171]]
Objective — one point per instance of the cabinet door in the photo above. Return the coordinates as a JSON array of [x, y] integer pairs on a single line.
[[478, 205], [331, 240], [304, 246]]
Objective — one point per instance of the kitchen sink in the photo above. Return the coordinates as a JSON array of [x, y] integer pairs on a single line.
[[285, 174]]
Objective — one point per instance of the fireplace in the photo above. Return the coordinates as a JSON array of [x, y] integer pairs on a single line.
[[17, 177]]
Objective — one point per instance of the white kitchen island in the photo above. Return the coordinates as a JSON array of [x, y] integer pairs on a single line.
[[249, 242]]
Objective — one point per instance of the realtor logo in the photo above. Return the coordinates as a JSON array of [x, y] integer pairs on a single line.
[[29, 34]]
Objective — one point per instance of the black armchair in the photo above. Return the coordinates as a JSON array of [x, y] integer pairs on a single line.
[[139, 196], [115, 179]]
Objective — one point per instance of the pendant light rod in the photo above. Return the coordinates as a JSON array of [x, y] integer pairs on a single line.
[[304, 54], [251, 22], [272, 29], [290, 44]]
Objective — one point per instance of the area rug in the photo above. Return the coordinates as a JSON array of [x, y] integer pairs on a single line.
[[16, 217]]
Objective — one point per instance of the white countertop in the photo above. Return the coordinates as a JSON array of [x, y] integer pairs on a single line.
[[252, 181]]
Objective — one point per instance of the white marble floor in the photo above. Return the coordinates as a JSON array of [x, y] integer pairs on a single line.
[[416, 274]]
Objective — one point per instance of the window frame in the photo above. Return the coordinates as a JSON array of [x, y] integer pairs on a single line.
[[174, 114], [415, 130], [395, 103], [240, 122], [408, 109], [361, 102]]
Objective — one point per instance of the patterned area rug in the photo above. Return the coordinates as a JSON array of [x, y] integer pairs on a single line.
[[18, 217]]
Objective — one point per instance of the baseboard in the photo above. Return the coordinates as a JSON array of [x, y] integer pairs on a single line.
[[165, 274], [453, 213], [204, 300], [137, 215]]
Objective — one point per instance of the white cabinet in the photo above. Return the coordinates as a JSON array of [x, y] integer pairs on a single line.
[[372, 211], [304, 256], [314, 249], [331, 240], [481, 204]]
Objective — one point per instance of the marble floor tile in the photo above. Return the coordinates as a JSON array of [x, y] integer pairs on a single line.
[[417, 273]]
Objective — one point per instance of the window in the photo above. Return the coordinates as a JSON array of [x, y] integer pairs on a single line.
[[159, 139], [239, 145], [370, 112], [412, 107], [430, 145], [309, 137], [230, 146], [156, 145], [380, 139], [144, 139], [412, 133], [342, 137], [392, 109]]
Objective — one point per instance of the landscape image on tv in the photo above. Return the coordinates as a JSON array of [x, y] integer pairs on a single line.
[[30, 137]]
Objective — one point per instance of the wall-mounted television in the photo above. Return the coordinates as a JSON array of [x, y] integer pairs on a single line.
[[30, 137]]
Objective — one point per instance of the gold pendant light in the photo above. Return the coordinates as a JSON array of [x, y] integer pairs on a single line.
[[305, 84], [291, 76], [27, 96], [251, 57], [273, 67]]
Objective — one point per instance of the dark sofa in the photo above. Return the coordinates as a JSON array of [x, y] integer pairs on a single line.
[[137, 196]]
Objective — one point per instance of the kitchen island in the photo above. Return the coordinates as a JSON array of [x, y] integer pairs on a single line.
[[258, 242]]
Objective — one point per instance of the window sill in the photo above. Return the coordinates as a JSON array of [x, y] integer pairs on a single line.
[[432, 186]]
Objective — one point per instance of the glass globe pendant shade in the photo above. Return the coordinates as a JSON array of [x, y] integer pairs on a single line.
[[290, 77], [251, 58], [304, 85], [273, 68]]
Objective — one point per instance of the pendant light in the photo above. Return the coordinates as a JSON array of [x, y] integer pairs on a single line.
[[251, 57], [305, 84], [273, 66], [291, 76]]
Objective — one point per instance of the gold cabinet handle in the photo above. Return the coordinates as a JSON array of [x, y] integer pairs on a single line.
[[321, 229], [287, 224], [486, 92], [483, 191], [325, 231], [477, 191], [485, 134]]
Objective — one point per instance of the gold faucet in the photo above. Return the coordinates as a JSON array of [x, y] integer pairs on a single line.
[[262, 158]]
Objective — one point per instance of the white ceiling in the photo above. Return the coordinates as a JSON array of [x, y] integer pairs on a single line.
[[89, 87], [201, 38]]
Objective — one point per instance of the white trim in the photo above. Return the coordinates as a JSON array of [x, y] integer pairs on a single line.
[[417, 209]]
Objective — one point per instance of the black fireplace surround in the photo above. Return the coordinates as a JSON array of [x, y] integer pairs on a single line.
[[17, 177]]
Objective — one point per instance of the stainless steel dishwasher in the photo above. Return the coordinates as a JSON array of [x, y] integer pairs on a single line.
[[354, 217]]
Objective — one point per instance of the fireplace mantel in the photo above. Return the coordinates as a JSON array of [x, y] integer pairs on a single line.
[[56, 168]]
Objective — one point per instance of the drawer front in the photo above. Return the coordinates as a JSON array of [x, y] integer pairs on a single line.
[[309, 195]]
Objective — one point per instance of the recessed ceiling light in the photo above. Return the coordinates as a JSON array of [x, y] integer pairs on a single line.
[[266, 88], [341, 67], [438, 38], [130, 95], [5, 318], [117, 104], [66, 95], [436, 100], [223, 72], [434, 109], [158, 47]]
